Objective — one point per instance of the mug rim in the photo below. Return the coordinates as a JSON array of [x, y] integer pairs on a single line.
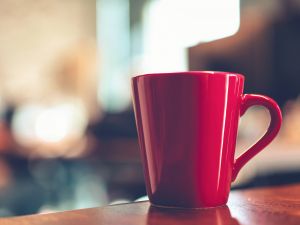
[[193, 73]]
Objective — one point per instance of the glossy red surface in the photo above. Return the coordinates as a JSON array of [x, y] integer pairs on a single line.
[[187, 125]]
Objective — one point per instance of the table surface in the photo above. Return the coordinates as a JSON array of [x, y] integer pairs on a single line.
[[276, 205]]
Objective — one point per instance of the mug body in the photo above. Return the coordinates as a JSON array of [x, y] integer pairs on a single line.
[[187, 127]]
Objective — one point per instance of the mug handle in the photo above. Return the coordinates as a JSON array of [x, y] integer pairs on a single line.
[[247, 101]]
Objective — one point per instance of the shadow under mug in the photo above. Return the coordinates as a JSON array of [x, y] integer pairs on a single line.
[[187, 125]]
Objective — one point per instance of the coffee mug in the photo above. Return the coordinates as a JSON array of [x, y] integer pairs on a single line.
[[187, 126]]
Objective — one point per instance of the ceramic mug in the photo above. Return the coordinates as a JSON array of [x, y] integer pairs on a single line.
[[187, 125]]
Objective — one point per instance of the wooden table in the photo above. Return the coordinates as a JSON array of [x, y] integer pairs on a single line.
[[277, 205]]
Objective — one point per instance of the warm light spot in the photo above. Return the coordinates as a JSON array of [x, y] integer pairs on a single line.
[[53, 125]]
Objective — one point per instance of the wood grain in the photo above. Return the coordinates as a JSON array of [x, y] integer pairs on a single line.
[[279, 205]]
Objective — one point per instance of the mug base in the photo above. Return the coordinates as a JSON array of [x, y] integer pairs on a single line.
[[185, 208]]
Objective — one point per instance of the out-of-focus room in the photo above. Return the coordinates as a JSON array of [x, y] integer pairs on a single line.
[[67, 130]]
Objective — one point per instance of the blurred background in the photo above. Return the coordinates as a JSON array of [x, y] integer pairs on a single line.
[[67, 133]]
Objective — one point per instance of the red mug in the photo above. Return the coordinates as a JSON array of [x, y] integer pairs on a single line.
[[187, 125]]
